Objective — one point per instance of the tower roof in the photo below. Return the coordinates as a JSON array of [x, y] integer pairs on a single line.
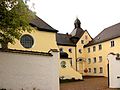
[[77, 23], [78, 31]]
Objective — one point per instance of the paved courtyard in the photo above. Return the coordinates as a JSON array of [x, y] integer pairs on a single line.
[[89, 83]]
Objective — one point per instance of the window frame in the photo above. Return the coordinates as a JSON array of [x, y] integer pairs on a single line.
[[101, 69], [70, 50], [100, 58], [27, 41], [63, 64], [61, 49], [95, 70], [89, 60], [88, 50], [89, 70], [80, 50], [94, 59], [100, 47], [112, 43], [94, 48]]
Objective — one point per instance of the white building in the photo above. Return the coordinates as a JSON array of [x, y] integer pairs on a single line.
[[114, 70], [29, 70]]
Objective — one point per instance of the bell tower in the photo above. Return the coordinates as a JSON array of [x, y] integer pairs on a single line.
[[77, 23]]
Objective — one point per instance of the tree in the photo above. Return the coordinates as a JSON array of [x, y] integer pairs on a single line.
[[14, 20]]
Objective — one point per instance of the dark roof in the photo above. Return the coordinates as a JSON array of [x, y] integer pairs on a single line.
[[64, 39], [72, 38], [77, 32], [41, 25], [26, 52], [77, 23], [109, 33]]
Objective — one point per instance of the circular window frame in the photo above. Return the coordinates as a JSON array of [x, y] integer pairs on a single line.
[[23, 43], [63, 64]]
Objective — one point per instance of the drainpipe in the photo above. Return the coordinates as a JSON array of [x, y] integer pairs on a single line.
[[76, 56], [108, 74]]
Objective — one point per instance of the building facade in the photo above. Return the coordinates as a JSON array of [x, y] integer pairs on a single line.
[[32, 62], [97, 50], [89, 55], [86, 55]]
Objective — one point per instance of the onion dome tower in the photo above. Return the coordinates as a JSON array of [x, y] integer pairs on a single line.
[[77, 32]]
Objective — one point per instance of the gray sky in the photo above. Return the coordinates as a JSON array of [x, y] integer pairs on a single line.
[[95, 15]]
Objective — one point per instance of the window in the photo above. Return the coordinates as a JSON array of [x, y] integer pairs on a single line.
[[112, 44], [80, 51], [100, 47], [89, 60], [82, 41], [94, 60], [95, 70], [27, 41], [94, 48], [89, 70], [88, 50], [61, 49], [101, 70], [100, 58], [86, 37], [70, 50], [63, 64]]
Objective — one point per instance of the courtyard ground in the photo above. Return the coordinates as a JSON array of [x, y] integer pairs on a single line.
[[89, 83]]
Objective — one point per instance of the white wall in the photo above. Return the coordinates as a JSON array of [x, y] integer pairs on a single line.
[[25, 71], [114, 71]]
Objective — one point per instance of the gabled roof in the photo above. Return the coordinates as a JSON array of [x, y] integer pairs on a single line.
[[41, 25], [64, 39], [109, 33]]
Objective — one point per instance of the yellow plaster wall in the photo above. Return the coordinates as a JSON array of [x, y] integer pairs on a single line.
[[70, 55], [80, 65], [106, 49], [68, 72], [43, 41]]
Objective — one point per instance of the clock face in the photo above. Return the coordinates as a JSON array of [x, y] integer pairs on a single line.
[[63, 64]]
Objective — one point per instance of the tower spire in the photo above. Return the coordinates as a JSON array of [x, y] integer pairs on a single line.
[[77, 23]]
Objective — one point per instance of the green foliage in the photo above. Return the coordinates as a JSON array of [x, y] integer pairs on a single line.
[[14, 20]]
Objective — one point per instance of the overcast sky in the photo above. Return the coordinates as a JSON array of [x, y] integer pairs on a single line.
[[95, 15]]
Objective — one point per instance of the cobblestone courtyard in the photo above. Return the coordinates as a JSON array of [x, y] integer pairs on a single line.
[[89, 83]]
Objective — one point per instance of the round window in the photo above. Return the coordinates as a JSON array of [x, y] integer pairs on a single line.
[[63, 64], [27, 41]]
